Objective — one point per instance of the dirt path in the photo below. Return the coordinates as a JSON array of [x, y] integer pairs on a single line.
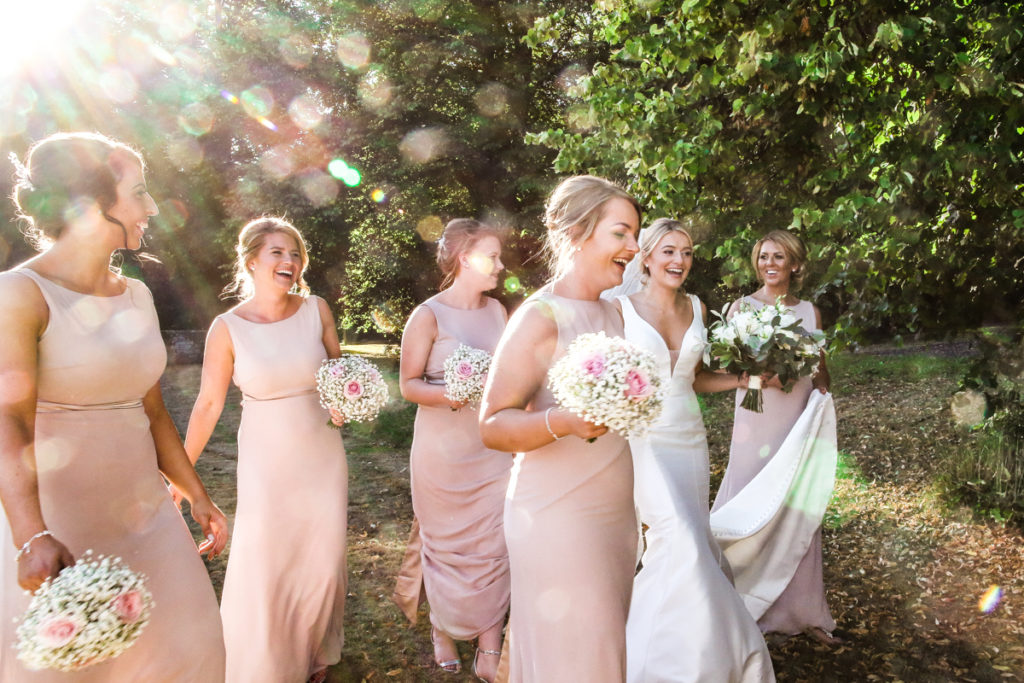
[[904, 571]]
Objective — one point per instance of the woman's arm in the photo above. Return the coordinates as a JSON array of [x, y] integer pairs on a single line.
[[822, 380], [330, 335], [707, 381], [175, 465], [218, 366], [517, 373], [23, 316], [417, 340]]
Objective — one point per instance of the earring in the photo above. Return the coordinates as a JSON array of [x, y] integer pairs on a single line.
[[252, 267]]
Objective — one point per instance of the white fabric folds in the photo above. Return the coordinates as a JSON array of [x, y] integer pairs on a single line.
[[766, 528]]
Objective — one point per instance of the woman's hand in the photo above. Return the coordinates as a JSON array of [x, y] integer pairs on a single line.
[[456, 405], [214, 525], [337, 419], [822, 381], [743, 380], [176, 495], [44, 559], [564, 423]]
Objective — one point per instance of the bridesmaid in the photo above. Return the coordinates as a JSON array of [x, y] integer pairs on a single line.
[[569, 518], [84, 434], [779, 259], [686, 621], [284, 590], [458, 485]]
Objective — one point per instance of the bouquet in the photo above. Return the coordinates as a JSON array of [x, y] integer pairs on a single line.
[[465, 372], [608, 381], [353, 386], [763, 341], [93, 611]]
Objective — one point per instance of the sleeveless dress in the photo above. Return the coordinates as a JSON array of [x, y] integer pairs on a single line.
[[779, 478], [571, 531], [686, 621], [100, 488], [284, 589], [457, 550]]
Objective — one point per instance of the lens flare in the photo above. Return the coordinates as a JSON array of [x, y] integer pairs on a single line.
[[343, 172], [296, 51], [512, 284], [318, 187], [990, 599], [492, 100], [184, 151], [118, 85], [423, 145], [378, 196], [353, 50], [230, 97], [305, 112], [257, 101], [266, 123], [429, 228], [196, 119]]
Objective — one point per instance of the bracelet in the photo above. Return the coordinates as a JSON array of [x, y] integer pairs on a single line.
[[547, 423], [27, 547]]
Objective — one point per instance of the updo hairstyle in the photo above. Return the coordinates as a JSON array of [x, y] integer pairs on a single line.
[[61, 172], [652, 234], [460, 235], [573, 211], [250, 240]]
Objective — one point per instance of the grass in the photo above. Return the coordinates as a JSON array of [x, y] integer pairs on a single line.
[[904, 565]]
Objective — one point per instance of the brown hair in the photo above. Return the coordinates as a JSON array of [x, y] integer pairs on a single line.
[[459, 236], [250, 240], [795, 250], [573, 211], [653, 234], [62, 171]]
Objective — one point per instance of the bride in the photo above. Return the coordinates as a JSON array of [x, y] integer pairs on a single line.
[[686, 621]]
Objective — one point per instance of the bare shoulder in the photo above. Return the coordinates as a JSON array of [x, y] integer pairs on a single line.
[[422, 319], [20, 296], [535, 320]]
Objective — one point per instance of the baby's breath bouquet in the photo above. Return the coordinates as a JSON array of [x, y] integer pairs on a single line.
[[93, 611], [608, 381], [465, 372], [353, 386], [765, 341]]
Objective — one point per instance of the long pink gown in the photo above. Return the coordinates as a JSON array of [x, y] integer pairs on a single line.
[[457, 547], [571, 530], [756, 438], [100, 488], [284, 590]]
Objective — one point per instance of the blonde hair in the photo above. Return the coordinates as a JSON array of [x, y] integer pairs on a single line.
[[459, 236], [793, 246], [573, 211], [250, 240], [653, 234]]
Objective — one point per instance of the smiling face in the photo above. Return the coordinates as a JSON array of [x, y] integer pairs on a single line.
[[604, 255], [482, 262], [134, 205], [670, 261], [278, 263], [775, 266]]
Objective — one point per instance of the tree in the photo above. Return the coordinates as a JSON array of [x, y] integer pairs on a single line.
[[889, 135]]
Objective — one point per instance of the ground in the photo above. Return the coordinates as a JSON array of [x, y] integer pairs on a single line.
[[905, 568]]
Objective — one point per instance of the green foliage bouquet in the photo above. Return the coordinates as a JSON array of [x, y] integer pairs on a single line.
[[759, 342]]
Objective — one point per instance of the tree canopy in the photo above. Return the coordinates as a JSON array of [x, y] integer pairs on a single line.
[[889, 135]]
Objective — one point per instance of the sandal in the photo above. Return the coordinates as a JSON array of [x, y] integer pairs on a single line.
[[452, 666], [822, 636], [319, 677], [496, 653]]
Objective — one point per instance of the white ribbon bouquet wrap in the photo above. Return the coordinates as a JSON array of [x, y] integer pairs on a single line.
[[465, 373], [353, 386], [608, 381], [765, 341], [93, 611]]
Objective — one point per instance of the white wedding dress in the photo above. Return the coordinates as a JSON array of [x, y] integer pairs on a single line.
[[686, 621]]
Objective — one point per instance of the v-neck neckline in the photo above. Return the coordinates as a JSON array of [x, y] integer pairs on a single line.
[[672, 364]]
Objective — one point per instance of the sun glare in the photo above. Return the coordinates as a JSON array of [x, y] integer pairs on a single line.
[[33, 27]]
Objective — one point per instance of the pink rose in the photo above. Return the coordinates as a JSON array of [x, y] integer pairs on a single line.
[[638, 386], [57, 631], [464, 369], [594, 365], [128, 606], [337, 370], [353, 390]]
